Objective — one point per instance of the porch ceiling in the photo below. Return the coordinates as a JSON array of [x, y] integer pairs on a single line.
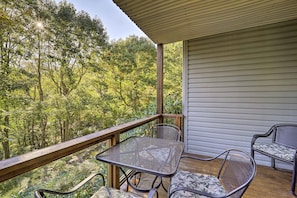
[[166, 21]]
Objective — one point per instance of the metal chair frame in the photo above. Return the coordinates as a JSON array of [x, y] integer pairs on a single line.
[[237, 191], [41, 193], [283, 137]]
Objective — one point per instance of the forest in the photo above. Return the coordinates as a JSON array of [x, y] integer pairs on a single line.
[[61, 78]]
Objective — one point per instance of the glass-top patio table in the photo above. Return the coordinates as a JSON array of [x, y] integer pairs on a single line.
[[156, 156]]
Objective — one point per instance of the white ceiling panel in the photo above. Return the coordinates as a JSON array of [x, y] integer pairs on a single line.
[[166, 21]]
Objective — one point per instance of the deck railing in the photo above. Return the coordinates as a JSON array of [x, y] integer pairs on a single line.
[[18, 165]]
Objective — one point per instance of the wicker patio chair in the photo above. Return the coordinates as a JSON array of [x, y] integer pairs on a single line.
[[236, 172], [103, 191], [282, 145], [143, 182]]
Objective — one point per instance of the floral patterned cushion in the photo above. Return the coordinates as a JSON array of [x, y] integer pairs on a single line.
[[205, 183], [276, 150], [105, 192]]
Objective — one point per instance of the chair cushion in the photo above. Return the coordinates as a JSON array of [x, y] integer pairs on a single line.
[[277, 150], [201, 182], [105, 192]]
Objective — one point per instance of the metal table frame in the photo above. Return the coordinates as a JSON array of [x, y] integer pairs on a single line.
[[155, 156]]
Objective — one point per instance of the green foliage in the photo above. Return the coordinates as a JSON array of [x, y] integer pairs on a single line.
[[61, 79], [129, 71], [173, 78], [62, 175]]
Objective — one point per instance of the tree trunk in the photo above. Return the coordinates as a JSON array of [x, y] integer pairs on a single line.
[[43, 123], [66, 130], [5, 141]]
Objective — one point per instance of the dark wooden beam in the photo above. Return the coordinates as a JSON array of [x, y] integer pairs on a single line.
[[160, 79]]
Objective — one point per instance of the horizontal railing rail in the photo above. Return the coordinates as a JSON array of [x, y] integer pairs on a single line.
[[18, 165]]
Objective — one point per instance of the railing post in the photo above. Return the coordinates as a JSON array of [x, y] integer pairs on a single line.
[[113, 171], [178, 120]]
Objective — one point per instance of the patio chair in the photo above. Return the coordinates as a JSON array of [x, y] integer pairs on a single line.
[[166, 131], [103, 191], [236, 172], [143, 182], [282, 146]]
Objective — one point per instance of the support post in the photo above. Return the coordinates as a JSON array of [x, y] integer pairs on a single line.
[[113, 171], [160, 81]]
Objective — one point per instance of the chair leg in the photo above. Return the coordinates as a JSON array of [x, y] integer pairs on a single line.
[[164, 187], [293, 183], [273, 163]]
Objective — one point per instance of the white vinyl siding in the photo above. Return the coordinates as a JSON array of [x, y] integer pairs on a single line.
[[237, 84]]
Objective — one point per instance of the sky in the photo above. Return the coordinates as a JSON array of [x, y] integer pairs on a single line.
[[117, 24]]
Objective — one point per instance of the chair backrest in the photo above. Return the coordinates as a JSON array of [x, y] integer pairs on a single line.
[[237, 171], [286, 134], [166, 131]]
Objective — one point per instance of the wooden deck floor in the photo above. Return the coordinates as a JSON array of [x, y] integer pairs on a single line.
[[268, 183]]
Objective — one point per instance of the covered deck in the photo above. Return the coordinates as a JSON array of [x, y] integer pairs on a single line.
[[167, 21], [267, 182]]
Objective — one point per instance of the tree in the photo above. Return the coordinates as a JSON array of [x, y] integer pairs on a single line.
[[13, 78], [129, 73], [173, 78], [76, 41], [60, 79]]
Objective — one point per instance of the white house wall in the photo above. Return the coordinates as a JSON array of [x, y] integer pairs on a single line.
[[237, 84]]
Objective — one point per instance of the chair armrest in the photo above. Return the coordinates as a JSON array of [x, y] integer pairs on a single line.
[[204, 158], [267, 134], [197, 158], [196, 192], [40, 193]]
